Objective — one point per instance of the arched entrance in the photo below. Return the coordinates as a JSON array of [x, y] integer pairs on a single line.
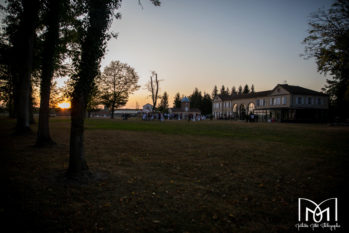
[[242, 112], [250, 108], [235, 111]]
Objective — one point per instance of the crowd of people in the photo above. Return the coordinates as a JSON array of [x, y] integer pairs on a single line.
[[171, 116]]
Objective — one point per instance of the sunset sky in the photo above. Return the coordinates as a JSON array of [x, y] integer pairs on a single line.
[[202, 43]]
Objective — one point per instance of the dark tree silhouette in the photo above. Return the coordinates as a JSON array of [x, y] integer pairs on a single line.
[[240, 90], [153, 88], [49, 57], [31, 104], [195, 99], [94, 101], [227, 91], [223, 91], [163, 106], [177, 101], [117, 82], [328, 43], [214, 92], [22, 23], [93, 44], [233, 91], [6, 82], [246, 89], [252, 88], [206, 104]]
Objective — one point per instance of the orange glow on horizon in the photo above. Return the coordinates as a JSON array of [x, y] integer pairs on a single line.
[[64, 105]]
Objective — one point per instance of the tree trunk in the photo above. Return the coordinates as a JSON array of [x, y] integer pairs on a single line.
[[112, 111], [23, 47], [11, 104], [77, 162], [92, 50], [23, 117], [43, 136], [31, 106], [48, 63]]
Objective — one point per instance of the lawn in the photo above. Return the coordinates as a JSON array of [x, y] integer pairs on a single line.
[[173, 176]]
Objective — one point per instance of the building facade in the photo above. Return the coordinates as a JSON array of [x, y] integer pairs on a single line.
[[185, 111], [283, 103]]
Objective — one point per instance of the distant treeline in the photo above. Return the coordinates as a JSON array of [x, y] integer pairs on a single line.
[[225, 90], [202, 101]]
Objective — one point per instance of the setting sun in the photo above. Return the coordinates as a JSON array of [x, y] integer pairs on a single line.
[[64, 105]]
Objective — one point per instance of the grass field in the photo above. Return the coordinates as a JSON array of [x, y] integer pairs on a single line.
[[175, 176]]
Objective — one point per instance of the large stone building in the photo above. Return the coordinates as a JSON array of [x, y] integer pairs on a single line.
[[283, 103]]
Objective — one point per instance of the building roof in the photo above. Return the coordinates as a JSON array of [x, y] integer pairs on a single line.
[[297, 90], [185, 99], [243, 96]]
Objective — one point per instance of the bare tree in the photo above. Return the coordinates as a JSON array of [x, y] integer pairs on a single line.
[[117, 82], [153, 87]]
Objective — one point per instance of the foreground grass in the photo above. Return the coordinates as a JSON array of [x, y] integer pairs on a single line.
[[211, 176]]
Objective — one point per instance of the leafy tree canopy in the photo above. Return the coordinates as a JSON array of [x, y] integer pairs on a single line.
[[328, 43]]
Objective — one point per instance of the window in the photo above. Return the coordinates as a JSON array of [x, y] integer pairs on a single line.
[[277, 100], [271, 101], [284, 99], [299, 100], [319, 102], [264, 102], [310, 100], [258, 102]]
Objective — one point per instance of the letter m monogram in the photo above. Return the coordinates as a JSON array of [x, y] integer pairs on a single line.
[[308, 207]]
